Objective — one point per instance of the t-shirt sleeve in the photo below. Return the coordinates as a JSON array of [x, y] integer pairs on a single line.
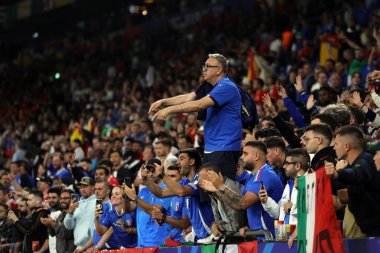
[[222, 93], [254, 187], [106, 221]]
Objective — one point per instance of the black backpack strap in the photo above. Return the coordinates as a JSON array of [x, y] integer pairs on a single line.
[[218, 242], [226, 240]]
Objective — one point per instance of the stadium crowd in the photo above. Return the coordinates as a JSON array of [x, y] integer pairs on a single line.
[[111, 153]]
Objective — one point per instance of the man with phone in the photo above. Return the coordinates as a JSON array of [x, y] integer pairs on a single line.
[[81, 214], [149, 234], [32, 228], [199, 213]]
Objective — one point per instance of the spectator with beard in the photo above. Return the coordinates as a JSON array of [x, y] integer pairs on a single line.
[[254, 157], [32, 228], [64, 237], [242, 175], [6, 230], [24, 212], [53, 199], [80, 214]]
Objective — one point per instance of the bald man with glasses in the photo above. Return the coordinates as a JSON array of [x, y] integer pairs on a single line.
[[222, 125]]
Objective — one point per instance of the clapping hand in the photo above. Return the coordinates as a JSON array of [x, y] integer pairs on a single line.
[[207, 185], [215, 179], [330, 170]]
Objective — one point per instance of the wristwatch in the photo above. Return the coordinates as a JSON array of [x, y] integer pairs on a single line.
[[134, 200], [222, 190]]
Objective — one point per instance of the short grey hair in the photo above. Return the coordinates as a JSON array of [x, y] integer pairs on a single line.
[[221, 59]]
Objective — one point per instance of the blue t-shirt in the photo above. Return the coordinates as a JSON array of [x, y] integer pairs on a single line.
[[200, 213], [223, 127], [242, 179], [274, 189], [149, 233], [176, 211], [122, 238], [111, 242]]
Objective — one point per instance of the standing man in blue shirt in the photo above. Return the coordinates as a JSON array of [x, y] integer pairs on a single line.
[[254, 158], [223, 104]]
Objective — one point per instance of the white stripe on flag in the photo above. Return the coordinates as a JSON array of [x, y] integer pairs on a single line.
[[230, 248], [310, 207]]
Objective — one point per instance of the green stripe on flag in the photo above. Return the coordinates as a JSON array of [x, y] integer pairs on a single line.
[[302, 215], [208, 249]]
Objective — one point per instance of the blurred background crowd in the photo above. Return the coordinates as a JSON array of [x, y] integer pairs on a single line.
[[75, 93]]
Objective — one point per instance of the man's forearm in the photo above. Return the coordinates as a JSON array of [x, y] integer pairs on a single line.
[[232, 199], [178, 99], [89, 243], [104, 238], [144, 206], [175, 187], [100, 229], [178, 223], [154, 188], [192, 106]]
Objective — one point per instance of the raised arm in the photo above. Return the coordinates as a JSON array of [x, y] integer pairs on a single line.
[[171, 101], [155, 188], [177, 188], [191, 106]]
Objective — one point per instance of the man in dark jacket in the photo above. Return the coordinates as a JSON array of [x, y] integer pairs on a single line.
[[316, 140], [32, 227], [357, 170]]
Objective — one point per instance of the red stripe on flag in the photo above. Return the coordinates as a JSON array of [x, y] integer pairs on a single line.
[[327, 234], [248, 247]]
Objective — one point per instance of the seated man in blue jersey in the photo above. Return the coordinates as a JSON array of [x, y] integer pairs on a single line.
[[149, 234], [254, 158], [200, 213], [174, 216], [123, 224]]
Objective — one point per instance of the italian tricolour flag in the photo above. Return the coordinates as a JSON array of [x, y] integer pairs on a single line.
[[318, 228]]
